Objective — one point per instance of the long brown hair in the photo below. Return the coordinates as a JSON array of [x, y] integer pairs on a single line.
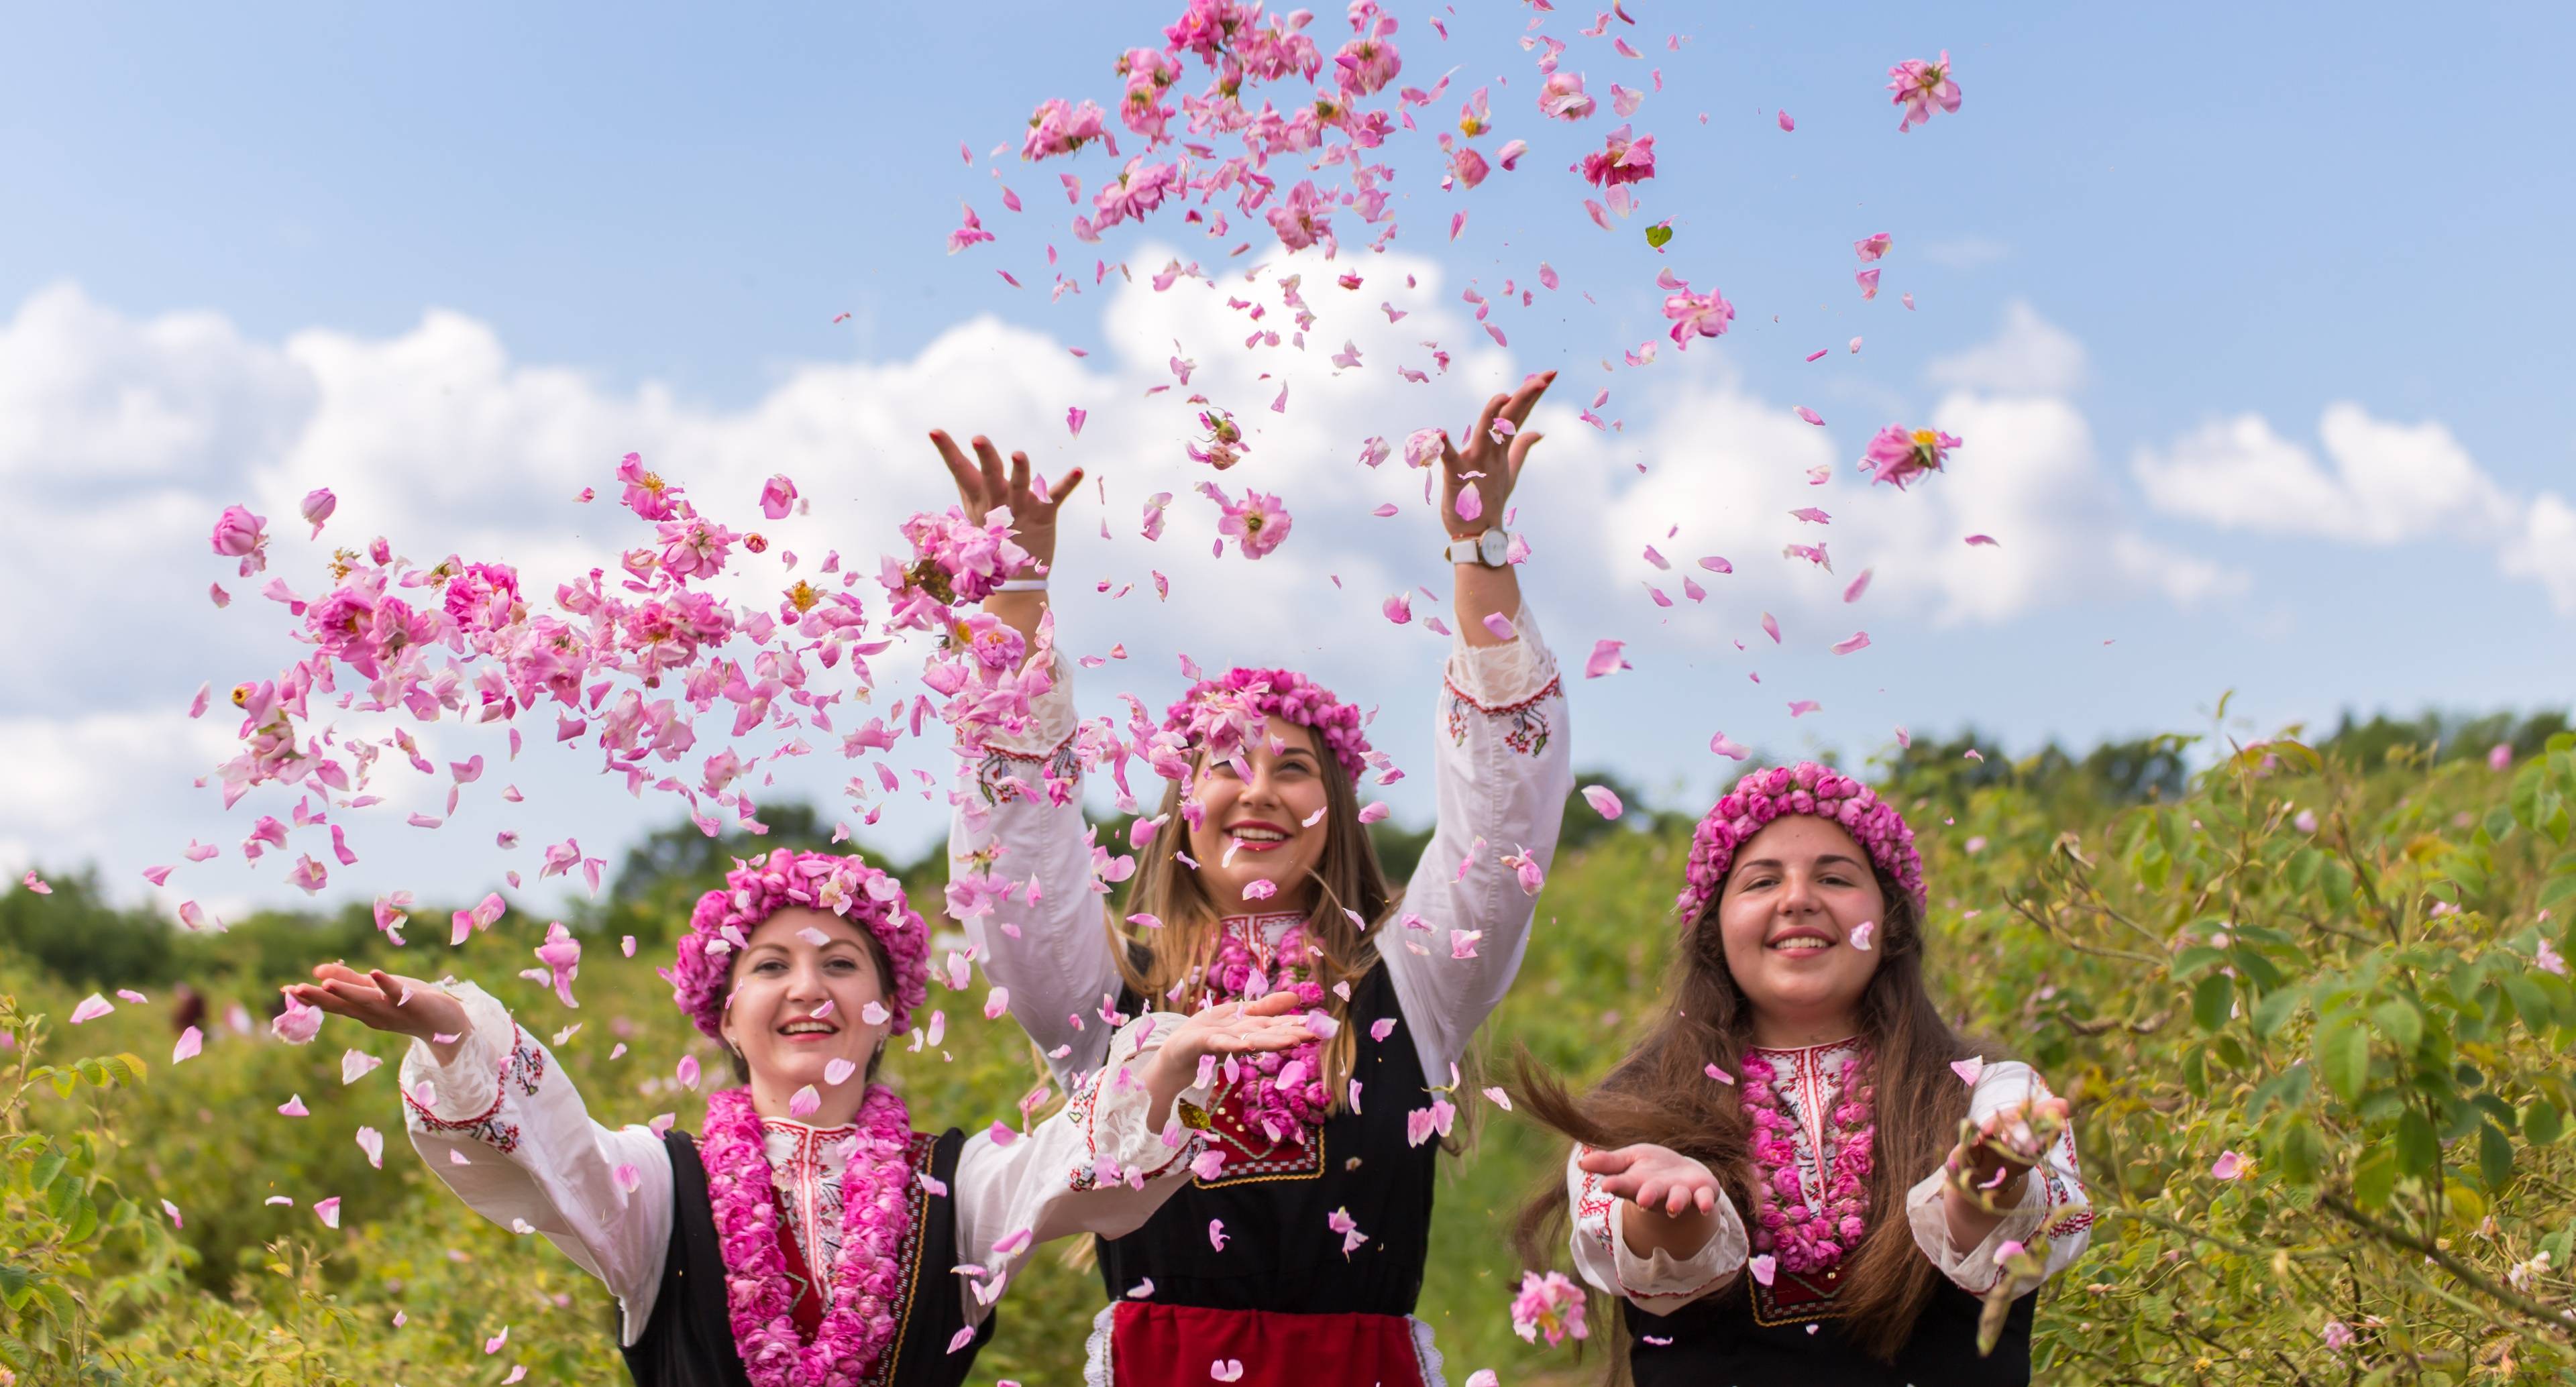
[[1661, 1093], [1347, 877]]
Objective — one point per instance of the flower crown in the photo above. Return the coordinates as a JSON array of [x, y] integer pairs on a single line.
[[1805, 788], [1224, 713], [700, 975]]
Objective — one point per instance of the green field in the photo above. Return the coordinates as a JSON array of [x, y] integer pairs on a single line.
[[2320, 955]]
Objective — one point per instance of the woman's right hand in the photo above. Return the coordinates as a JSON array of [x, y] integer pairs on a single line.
[[982, 486], [385, 1002], [1654, 1177]]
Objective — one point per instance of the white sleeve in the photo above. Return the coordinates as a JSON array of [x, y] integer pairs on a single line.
[[1658, 1283], [1020, 881], [2054, 1195], [1504, 771], [534, 1160], [1094, 1167]]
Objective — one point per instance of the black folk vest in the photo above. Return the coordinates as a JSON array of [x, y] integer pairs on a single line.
[[689, 1340], [1276, 1199], [1747, 1336]]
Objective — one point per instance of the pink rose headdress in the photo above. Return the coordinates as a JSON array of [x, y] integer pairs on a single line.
[[1222, 714], [1805, 788], [757, 889]]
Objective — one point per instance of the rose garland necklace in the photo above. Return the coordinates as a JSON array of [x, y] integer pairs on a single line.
[[876, 1214], [1283, 1094], [1810, 1238]]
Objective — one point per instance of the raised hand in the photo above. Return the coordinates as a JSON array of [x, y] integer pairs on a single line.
[[1269, 1023], [1654, 1178], [1485, 468], [382, 1001], [983, 484], [1987, 1166]]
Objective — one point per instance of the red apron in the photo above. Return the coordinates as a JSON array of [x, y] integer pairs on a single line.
[[1185, 1345]]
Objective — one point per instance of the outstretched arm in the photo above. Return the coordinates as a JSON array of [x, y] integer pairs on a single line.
[[478, 1087], [1652, 1225]]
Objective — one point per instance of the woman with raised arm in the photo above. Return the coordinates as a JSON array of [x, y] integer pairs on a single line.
[[806, 1236], [1763, 1181], [1297, 1252]]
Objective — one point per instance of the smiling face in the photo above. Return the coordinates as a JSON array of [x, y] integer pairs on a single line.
[[779, 1020], [1270, 827], [1797, 892]]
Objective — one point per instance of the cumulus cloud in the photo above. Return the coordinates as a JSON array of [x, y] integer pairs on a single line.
[[2381, 482], [2028, 355]]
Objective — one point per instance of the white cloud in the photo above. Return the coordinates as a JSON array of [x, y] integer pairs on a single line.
[[2028, 355], [2387, 483]]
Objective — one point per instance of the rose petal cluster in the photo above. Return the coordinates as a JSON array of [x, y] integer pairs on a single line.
[[1805, 788], [1221, 715], [701, 972]]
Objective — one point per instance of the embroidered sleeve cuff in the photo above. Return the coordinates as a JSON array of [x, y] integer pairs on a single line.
[[1973, 1270], [1495, 677], [1114, 1104], [1659, 1275], [469, 1086]]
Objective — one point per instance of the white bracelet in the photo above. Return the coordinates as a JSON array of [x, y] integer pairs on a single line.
[[1022, 585]]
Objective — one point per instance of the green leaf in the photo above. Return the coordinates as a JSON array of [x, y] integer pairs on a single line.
[[2529, 1000], [85, 1217], [2210, 998], [2276, 1008], [2374, 1176], [2401, 1023], [2542, 1123], [2495, 1156], [2417, 1150], [2343, 1055], [47, 1167], [2303, 1152], [1658, 234], [2191, 962]]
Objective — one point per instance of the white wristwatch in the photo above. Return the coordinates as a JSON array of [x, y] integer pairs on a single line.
[[1489, 549]]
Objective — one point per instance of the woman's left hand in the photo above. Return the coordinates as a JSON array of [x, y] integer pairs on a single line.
[[1274, 1022], [1993, 1158], [1486, 468]]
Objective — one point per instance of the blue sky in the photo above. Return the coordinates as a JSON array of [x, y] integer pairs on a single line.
[[2175, 239]]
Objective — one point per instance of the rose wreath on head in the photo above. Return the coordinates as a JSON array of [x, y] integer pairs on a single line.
[[866, 1276], [1805, 788], [1224, 715], [700, 974]]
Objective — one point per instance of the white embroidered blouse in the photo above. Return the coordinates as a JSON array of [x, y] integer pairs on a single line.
[[510, 1134], [1809, 1079], [1503, 771]]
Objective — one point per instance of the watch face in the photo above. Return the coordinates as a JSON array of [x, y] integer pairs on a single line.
[[1491, 546]]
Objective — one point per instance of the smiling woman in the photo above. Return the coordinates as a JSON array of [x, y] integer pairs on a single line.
[[786, 1245]]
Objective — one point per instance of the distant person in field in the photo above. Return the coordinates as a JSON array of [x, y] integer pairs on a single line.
[[806, 1237], [1296, 1255], [1801, 1175]]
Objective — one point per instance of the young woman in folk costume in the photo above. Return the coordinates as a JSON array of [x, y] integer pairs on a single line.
[[1801, 1175], [1297, 1252], [808, 1236]]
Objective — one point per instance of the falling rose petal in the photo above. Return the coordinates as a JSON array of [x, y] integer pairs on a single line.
[[173, 1211], [1470, 504], [1728, 747], [1861, 933], [356, 1065], [1720, 1075], [1804, 706], [1872, 246], [91, 1008], [1987, 540], [1499, 1097], [1763, 1267], [372, 1142], [1969, 1069], [875, 1014], [804, 1102], [838, 1071], [1857, 586], [328, 1210], [493, 1344], [1605, 659], [1604, 800], [1771, 628], [1457, 223], [1809, 415], [1500, 625], [1715, 564], [1786, 123], [1857, 640], [1142, 1290], [1398, 609], [1226, 1369], [996, 1002], [689, 1071], [294, 1107], [627, 1177], [1073, 419], [1484, 1377], [1818, 354], [1547, 274], [1373, 811]]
